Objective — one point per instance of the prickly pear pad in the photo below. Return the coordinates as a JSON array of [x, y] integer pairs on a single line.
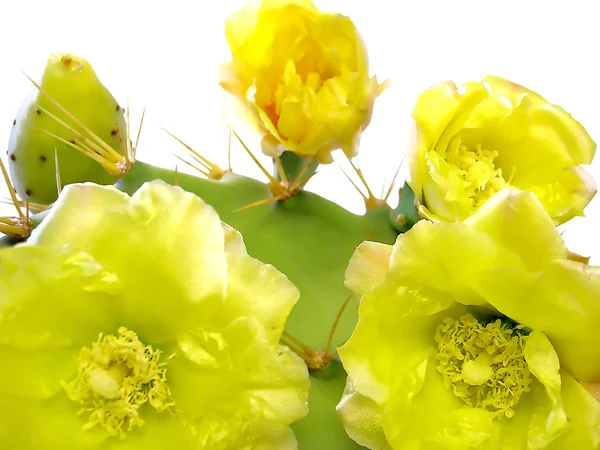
[[32, 147]]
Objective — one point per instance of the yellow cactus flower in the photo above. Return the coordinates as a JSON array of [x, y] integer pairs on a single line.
[[142, 323], [300, 77], [474, 335], [473, 141]]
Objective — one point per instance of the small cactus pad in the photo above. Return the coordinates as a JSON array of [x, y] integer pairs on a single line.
[[72, 82]]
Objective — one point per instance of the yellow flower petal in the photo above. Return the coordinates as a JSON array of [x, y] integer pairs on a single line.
[[362, 419], [367, 267], [517, 221], [145, 237], [545, 366], [444, 259]]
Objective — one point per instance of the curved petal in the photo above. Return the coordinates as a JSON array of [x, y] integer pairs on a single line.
[[234, 241], [561, 302], [53, 298], [568, 195], [394, 334], [509, 89], [48, 425], [433, 111], [423, 413], [58, 426], [36, 374], [517, 221], [440, 194], [444, 260], [368, 267], [285, 440], [51, 304], [583, 412], [165, 245], [259, 290], [579, 143], [236, 386], [533, 148], [362, 418], [549, 419], [435, 108], [487, 114], [579, 350], [159, 432], [471, 95], [541, 303]]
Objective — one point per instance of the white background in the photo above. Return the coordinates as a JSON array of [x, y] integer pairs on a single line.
[[165, 58]]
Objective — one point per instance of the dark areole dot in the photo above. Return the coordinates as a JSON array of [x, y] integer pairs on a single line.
[[113, 132], [42, 158], [13, 157], [72, 141], [28, 192], [118, 107], [38, 112], [14, 122]]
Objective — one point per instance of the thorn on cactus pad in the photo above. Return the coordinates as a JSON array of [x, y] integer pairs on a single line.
[[86, 141], [16, 227], [13, 157], [207, 168], [334, 327], [370, 235], [33, 207], [283, 190], [229, 152], [371, 202], [391, 188], [57, 169], [316, 360], [196, 168], [353, 183], [14, 122], [579, 258]]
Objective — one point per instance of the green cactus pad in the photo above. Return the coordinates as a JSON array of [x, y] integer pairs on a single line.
[[72, 82], [308, 238]]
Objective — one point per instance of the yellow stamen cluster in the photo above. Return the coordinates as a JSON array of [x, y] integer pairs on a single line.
[[484, 365], [476, 170], [116, 376]]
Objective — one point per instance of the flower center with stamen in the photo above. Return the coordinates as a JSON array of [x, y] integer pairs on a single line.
[[484, 364], [115, 378], [476, 171]]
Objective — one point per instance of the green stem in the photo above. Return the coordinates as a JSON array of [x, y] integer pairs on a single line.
[[295, 166]]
